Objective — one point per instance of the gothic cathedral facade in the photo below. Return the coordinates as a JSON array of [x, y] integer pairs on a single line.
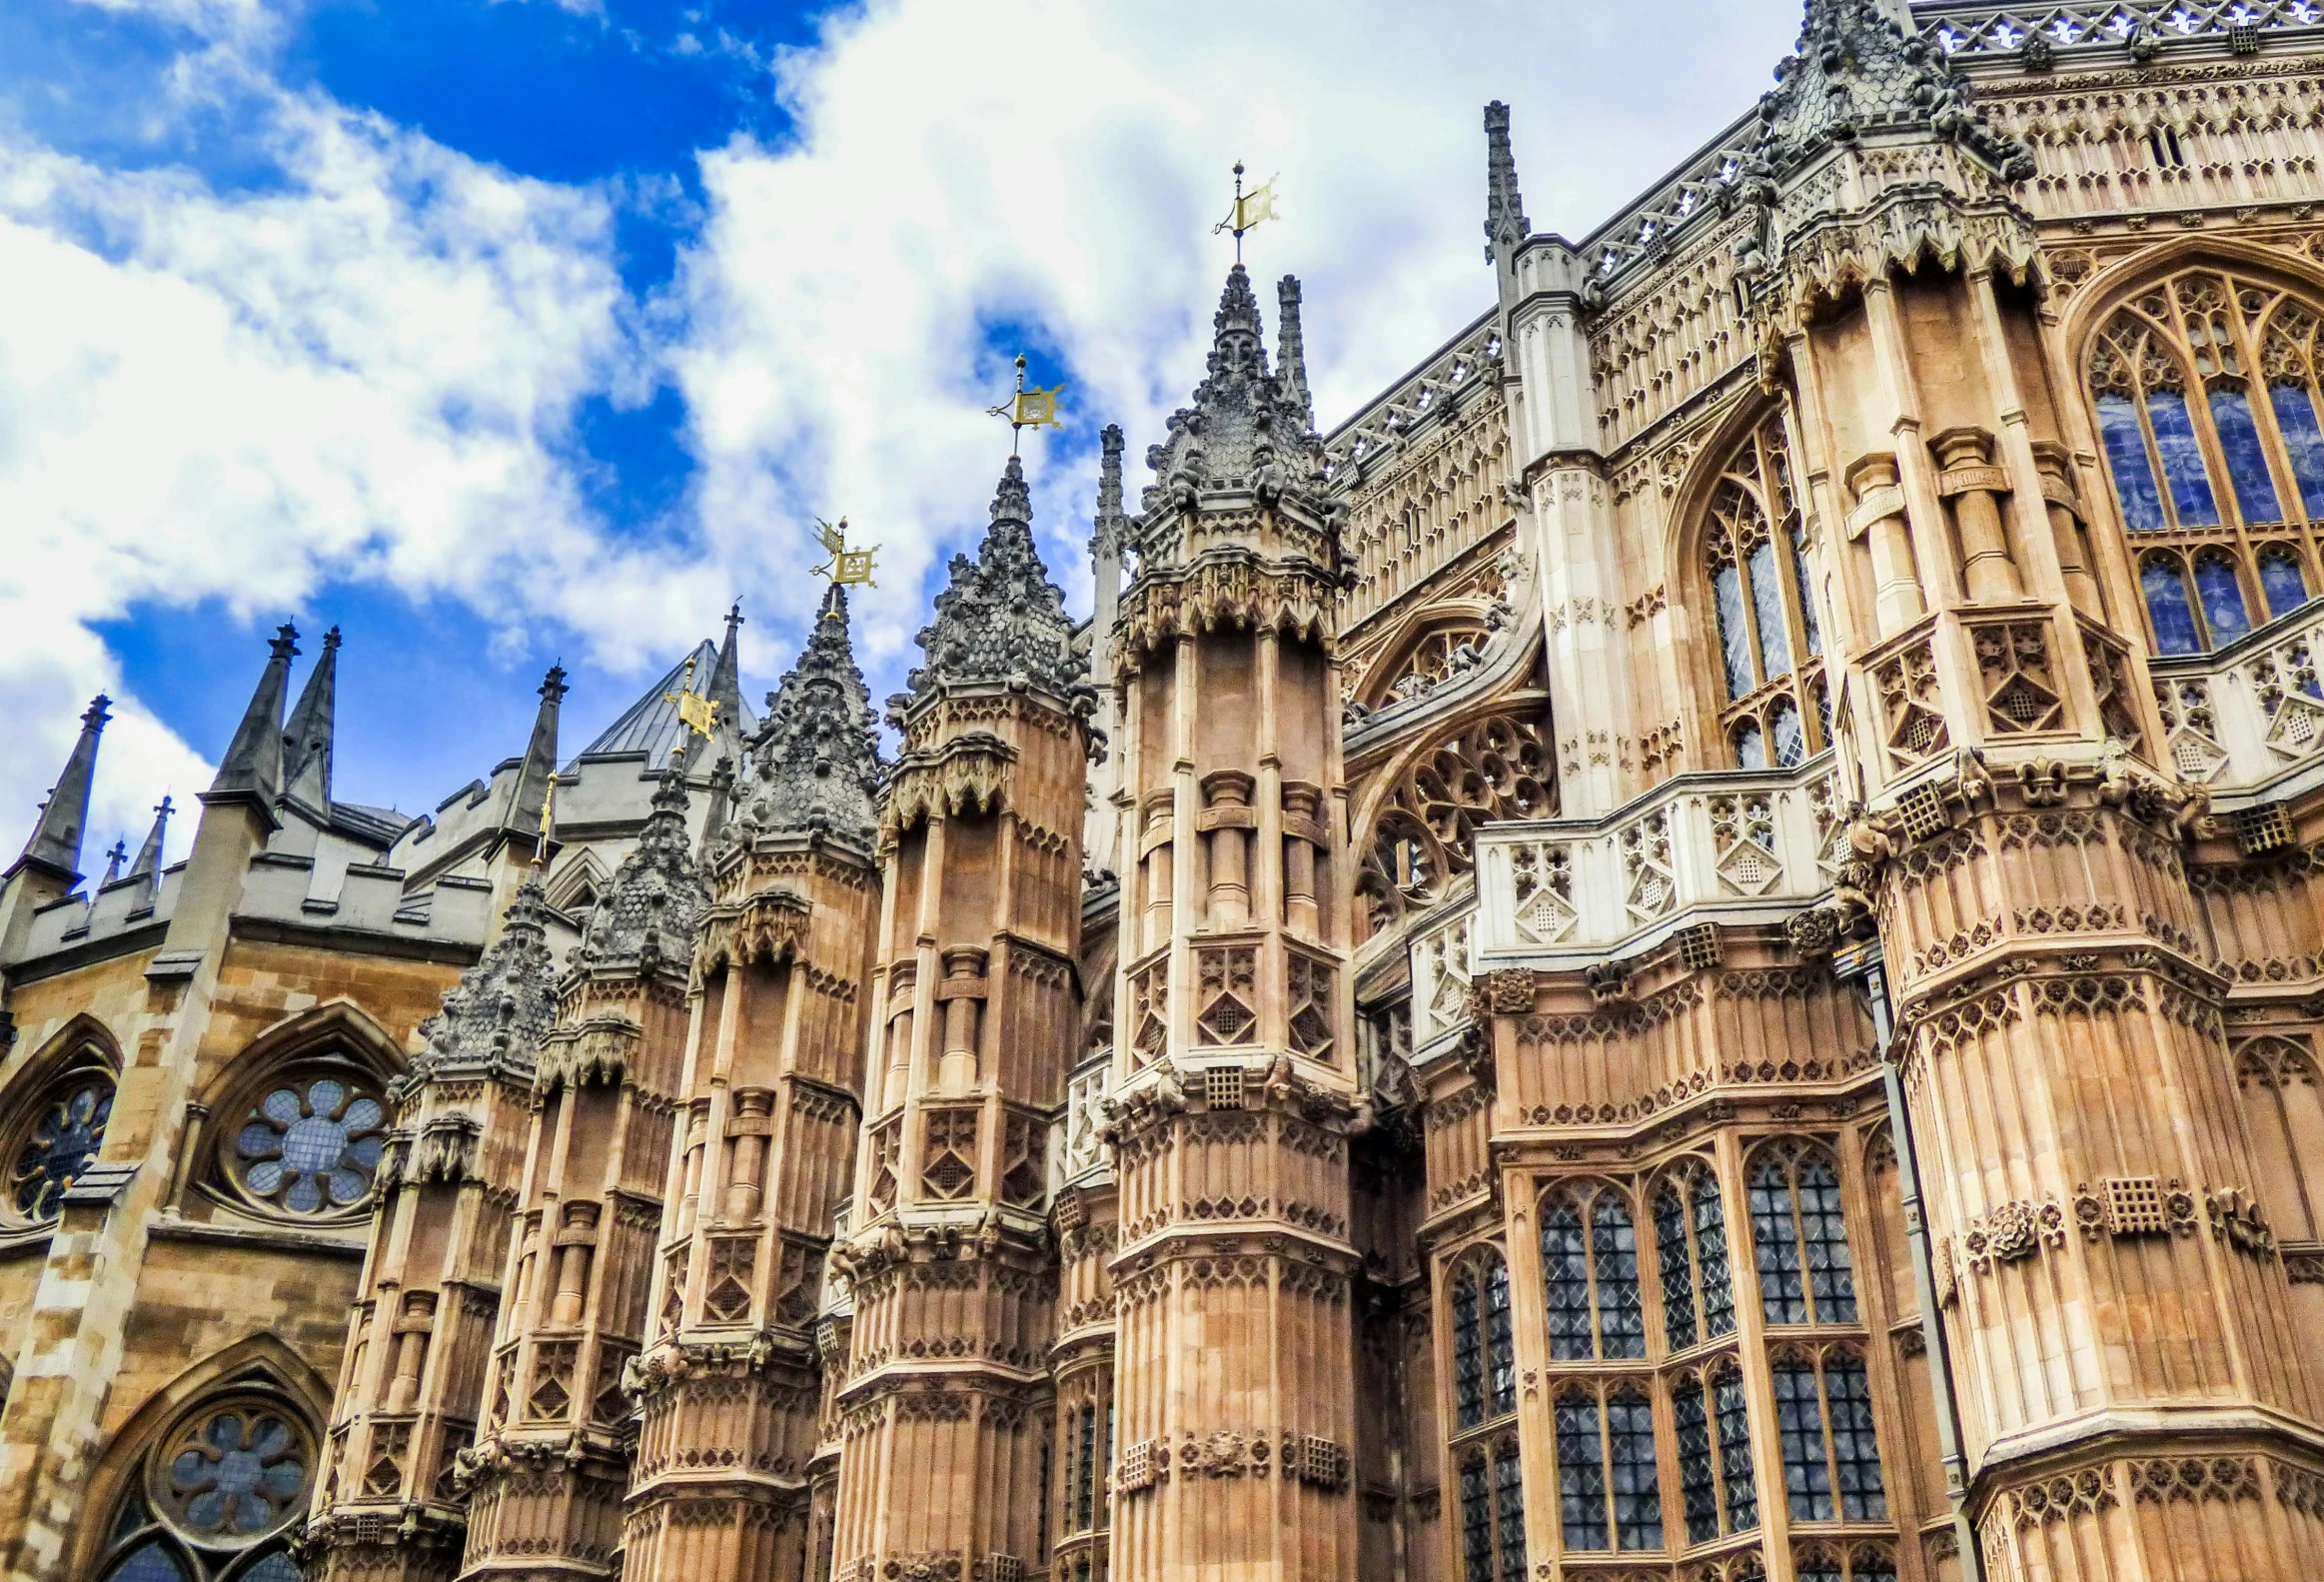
[[1692, 947]]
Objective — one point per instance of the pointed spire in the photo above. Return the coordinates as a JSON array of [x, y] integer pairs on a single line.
[[723, 687], [56, 837], [307, 739], [496, 1016], [1234, 329], [717, 813], [1002, 619], [113, 861], [1105, 539], [1291, 347], [532, 789], [251, 771], [815, 763], [646, 917], [148, 865], [1505, 223]]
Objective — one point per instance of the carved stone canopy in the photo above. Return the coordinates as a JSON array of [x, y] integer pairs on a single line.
[[496, 1016], [815, 762], [645, 919]]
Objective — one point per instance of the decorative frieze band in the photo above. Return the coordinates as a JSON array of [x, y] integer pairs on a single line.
[[1255, 1453]]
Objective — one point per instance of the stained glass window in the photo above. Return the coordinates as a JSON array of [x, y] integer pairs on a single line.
[[2255, 492], [65, 1133], [312, 1146], [2281, 579], [2222, 598], [2126, 461], [2164, 584], [1467, 1352], [2296, 420], [276, 1567], [209, 1498], [1800, 1236], [149, 1562], [1762, 593], [1581, 1474], [2182, 458]]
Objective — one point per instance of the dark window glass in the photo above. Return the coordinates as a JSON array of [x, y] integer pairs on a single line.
[[1710, 1255], [1800, 1428], [1698, 1488], [2167, 606], [2296, 418], [1767, 605], [1855, 1452], [1791, 741], [1782, 1291], [1565, 1283], [2255, 492], [1637, 1497], [1735, 639], [1678, 1272], [1509, 1496], [1807, 625], [1467, 1352], [1735, 1455], [1751, 748], [1042, 1526], [1475, 1523], [1085, 1473], [1621, 1321], [1830, 1277], [1820, 1565], [1580, 1475], [60, 1145], [1499, 1342], [2126, 459], [276, 1567], [153, 1563], [1872, 1565], [2182, 458], [2281, 579], [2222, 597]]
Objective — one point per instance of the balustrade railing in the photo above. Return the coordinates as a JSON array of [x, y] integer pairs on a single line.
[[2251, 713]]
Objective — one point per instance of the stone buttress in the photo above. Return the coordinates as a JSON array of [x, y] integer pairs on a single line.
[[770, 1108], [1235, 1082], [976, 1011]]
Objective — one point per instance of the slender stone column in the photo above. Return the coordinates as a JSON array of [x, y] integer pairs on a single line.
[[731, 1384], [944, 1414], [1235, 1080], [549, 1472]]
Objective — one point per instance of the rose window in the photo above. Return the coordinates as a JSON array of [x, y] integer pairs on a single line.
[[61, 1142], [311, 1146], [237, 1476]]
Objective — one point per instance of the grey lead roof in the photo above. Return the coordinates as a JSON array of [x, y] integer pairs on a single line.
[[650, 725]]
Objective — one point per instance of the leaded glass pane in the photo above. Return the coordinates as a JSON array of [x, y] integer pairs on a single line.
[[1637, 1497], [1698, 1488], [1735, 639], [60, 1145], [1085, 1473], [1751, 748], [1678, 1272], [2167, 606], [1830, 1276], [1621, 1320], [1581, 1476], [1872, 1565], [1711, 1258], [2255, 491], [2296, 422], [1565, 1283], [1767, 605], [2182, 458], [1856, 1450], [1820, 1565], [1509, 1497], [1475, 1523], [152, 1563], [2222, 596], [1800, 1428], [1808, 627], [2126, 459], [1791, 741], [1500, 1340], [2281, 579], [1735, 1455], [276, 1567], [1468, 1353], [1782, 1293]]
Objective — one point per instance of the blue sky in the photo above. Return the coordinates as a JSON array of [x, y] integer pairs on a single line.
[[500, 332]]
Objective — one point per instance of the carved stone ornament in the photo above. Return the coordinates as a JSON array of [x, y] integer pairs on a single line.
[[1510, 992], [646, 918], [815, 764], [2236, 1219], [495, 1019]]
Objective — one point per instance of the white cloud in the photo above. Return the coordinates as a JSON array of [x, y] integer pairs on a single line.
[[370, 368]]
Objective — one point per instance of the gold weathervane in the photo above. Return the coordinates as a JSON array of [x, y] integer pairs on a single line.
[[1249, 209], [698, 714], [1028, 409], [845, 566], [547, 814]]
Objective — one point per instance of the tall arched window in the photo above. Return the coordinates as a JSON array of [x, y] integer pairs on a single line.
[[1691, 1249], [2205, 389], [215, 1496], [1609, 1489], [1823, 1419], [1801, 1238], [1714, 1452], [56, 1138], [1590, 1275], [1762, 593], [1493, 1514], [1484, 1345]]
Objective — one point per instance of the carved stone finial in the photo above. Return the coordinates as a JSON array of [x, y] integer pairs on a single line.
[[815, 762], [1002, 619], [1505, 223], [645, 918], [502, 1007]]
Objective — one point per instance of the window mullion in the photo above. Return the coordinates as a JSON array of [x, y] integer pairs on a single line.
[[2271, 441], [1830, 1438]]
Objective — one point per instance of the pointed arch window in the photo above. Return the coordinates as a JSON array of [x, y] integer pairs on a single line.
[[2205, 391], [214, 1497], [57, 1138], [1608, 1488], [1493, 1514], [1484, 1344], [1825, 1562], [1800, 1234], [1763, 597], [1714, 1452], [1691, 1252], [1590, 1275], [1823, 1419]]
